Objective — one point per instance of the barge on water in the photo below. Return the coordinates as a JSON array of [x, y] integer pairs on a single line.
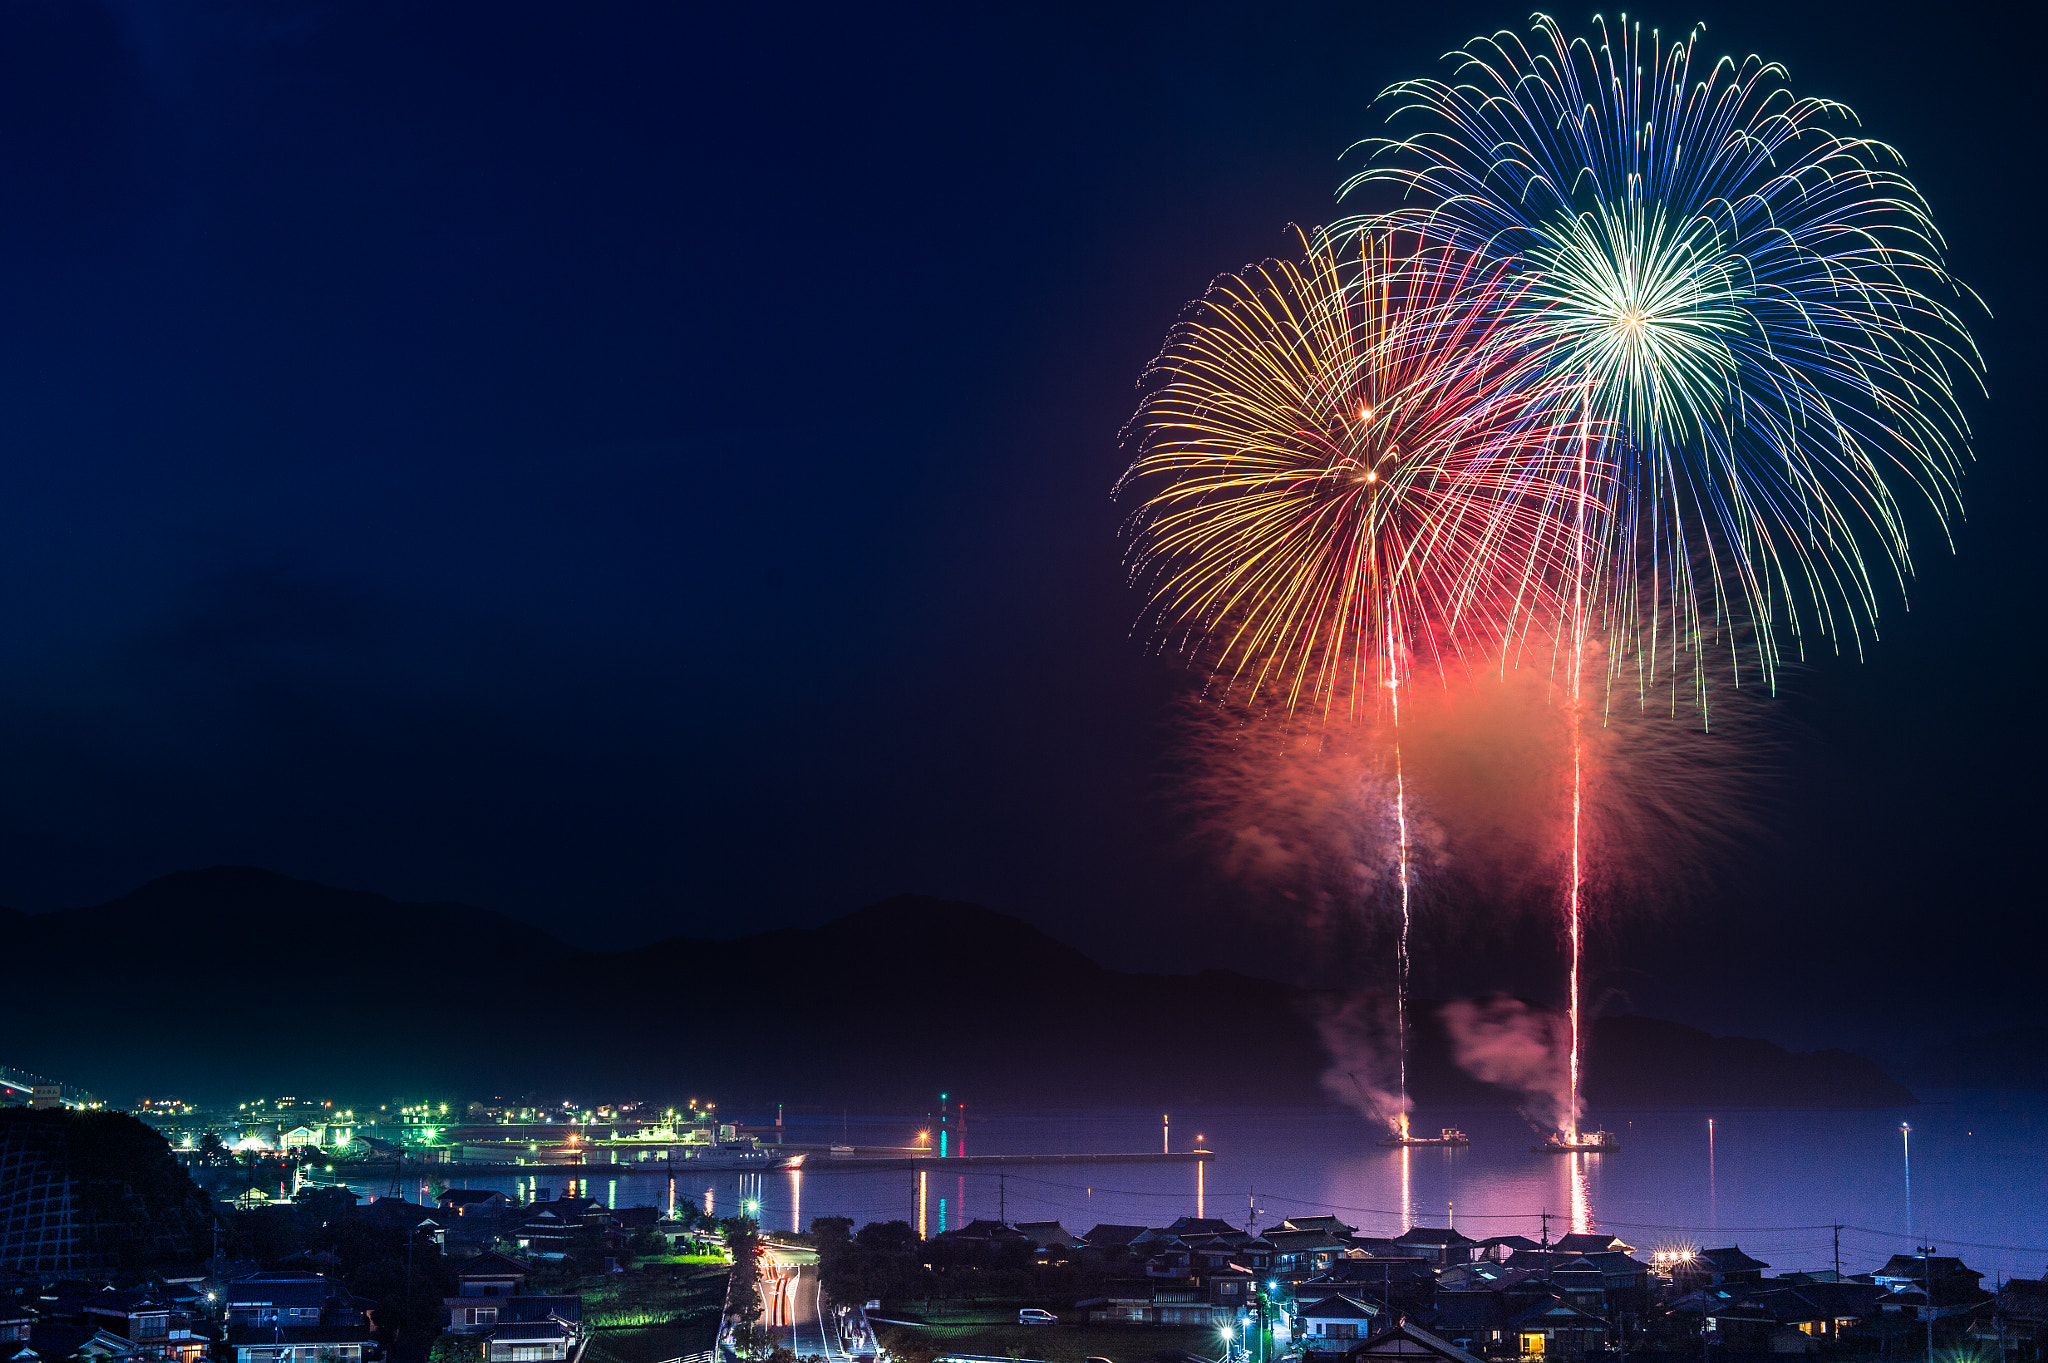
[[1588, 1143], [1451, 1136]]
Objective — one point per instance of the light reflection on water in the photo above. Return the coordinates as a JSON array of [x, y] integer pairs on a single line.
[[1774, 1181]]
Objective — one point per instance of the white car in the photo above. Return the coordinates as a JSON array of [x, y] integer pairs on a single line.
[[1031, 1315]]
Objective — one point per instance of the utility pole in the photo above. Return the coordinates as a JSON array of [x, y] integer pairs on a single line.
[[1927, 1286], [1838, 1253], [1003, 1198]]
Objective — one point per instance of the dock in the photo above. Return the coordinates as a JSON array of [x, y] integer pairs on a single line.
[[826, 1162]]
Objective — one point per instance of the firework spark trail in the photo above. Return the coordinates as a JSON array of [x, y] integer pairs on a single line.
[[1407, 913]]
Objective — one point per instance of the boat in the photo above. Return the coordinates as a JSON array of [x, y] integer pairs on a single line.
[[1588, 1143], [1451, 1136], [744, 1153]]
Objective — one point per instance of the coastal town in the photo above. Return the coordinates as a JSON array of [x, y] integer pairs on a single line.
[[297, 1231]]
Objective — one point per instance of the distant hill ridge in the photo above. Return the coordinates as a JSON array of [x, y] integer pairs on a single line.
[[234, 981]]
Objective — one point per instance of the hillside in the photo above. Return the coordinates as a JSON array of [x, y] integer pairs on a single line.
[[234, 981]]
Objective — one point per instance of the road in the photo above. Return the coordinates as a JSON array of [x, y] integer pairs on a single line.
[[793, 1303]]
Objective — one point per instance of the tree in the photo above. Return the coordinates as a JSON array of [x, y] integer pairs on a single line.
[[457, 1349], [888, 1237], [742, 1302]]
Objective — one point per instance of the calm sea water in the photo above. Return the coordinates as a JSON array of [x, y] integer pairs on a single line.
[[1775, 1181]]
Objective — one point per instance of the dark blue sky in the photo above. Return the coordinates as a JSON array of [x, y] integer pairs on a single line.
[[647, 470]]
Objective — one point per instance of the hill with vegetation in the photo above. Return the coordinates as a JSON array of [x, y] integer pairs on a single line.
[[235, 981]]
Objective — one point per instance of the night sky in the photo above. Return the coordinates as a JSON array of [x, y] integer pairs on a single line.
[[646, 469]]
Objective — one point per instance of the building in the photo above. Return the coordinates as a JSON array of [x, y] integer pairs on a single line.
[[1819, 1310], [298, 1343], [1553, 1325], [1305, 1253], [1404, 1342], [1441, 1246], [1334, 1323], [1046, 1236], [1155, 1301], [148, 1323], [546, 1341], [471, 1202], [1329, 1224], [1717, 1268], [491, 1275], [1583, 1243], [1496, 1248], [284, 1300]]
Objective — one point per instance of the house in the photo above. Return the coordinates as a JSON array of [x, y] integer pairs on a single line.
[[545, 1233], [491, 1275], [471, 1202], [1148, 1301], [1601, 1281], [1554, 1325], [1048, 1235], [1495, 1248], [1403, 1342], [1479, 1275], [1327, 1224], [1408, 1284], [87, 1343], [545, 1341], [1201, 1225], [1475, 1318], [1302, 1253], [298, 1343], [983, 1242], [1718, 1268], [1111, 1244], [277, 1299], [635, 1218], [1585, 1243], [1958, 1295], [1443, 1247], [1820, 1310], [2022, 1309], [148, 1323], [466, 1314], [1334, 1323]]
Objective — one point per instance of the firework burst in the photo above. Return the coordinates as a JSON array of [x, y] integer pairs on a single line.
[[1342, 471], [1749, 297]]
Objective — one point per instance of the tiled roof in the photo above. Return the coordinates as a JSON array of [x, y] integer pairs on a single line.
[[491, 1265], [1337, 1307], [1107, 1234]]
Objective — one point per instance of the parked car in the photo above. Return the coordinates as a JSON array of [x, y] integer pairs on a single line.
[[1031, 1315]]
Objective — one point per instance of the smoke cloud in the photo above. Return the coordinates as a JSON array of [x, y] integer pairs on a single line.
[[1504, 1041], [1299, 809], [1362, 1036]]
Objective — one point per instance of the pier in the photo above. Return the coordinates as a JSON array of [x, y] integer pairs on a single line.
[[822, 1161], [819, 1159]]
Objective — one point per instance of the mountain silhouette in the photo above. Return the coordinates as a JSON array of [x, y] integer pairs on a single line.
[[232, 982]]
